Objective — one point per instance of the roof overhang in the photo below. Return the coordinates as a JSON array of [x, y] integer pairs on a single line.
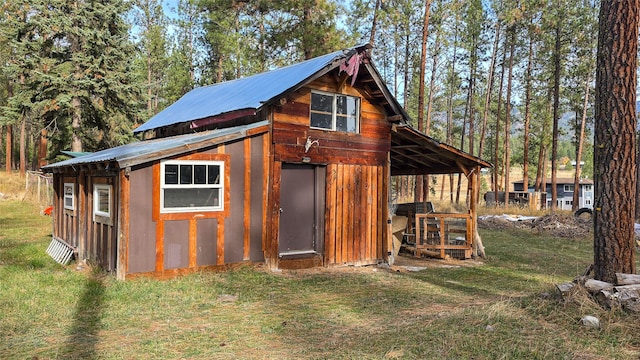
[[414, 153]]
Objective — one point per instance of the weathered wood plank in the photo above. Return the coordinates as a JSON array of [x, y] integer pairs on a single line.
[[247, 200], [330, 222], [627, 279], [340, 215], [122, 265], [220, 243]]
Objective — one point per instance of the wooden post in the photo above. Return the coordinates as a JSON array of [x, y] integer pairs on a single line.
[[123, 225]]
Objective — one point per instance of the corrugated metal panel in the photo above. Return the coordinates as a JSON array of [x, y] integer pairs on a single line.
[[246, 93], [149, 150]]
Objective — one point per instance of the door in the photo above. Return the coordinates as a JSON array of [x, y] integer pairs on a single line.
[[301, 209]]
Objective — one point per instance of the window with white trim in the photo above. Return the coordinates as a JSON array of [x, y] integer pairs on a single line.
[[101, 200], [568, 188], [69, 196], [335, 112], [191, 185], [588, 188]]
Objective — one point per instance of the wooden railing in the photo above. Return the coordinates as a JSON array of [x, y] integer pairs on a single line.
[[444, 234]]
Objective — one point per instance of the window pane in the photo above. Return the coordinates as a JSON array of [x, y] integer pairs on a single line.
[[320, 102], [171, 174], [346, 105], [199, 174], [103, 200], [341, 123], [68, 202], [184, 198], [321, 121], [214, 174], [185, 174]]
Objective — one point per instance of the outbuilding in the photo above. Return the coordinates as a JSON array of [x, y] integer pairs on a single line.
[[290, 168]]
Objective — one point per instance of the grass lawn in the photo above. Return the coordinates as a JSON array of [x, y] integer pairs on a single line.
[[503, 308]]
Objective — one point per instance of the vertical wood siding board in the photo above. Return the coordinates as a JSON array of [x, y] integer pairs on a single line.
[[275, 211], [83, 212], [247, 199], [381, 216], [357, 212], [265, 186], [374, 212], [345, 213], [339, 212], [220, 243], [193, 243], [123, 226], [362, 212], [159, 246], [329, 237], [364, 194], [58, 207]]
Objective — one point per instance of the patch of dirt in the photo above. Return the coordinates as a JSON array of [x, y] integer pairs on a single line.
[[558, 225]]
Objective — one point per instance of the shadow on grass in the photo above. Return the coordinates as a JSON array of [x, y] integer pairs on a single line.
[[82, 338]]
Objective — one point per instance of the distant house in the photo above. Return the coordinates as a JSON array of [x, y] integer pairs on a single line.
[[565, 188], [290, 168]]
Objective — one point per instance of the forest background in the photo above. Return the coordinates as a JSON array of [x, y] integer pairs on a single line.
[[508, 81]]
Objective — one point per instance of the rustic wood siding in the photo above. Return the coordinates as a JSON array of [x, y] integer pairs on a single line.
[[353, 220], [291, 128], [100, 245], [357, 171], [169, 244]]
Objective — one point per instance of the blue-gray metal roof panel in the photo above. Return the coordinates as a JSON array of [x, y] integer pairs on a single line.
[[246, 93], [149, 150]]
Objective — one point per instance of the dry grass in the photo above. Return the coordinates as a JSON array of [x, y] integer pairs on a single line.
[[503, 307]]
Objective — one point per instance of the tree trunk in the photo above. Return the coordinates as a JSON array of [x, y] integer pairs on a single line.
[[507, 120], [496, 149], [9, 146], [76, 125], [614, 145], [23, 145], [487, 99], [556, 119], [576, 178], [527, 118], [374, 22], [422, 180], [42, 148]]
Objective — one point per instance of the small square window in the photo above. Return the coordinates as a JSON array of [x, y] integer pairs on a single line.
[[335, 112], [69, 196], [101, 200]]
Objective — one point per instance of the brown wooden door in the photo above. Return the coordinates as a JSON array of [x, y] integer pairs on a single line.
[[301, 209]]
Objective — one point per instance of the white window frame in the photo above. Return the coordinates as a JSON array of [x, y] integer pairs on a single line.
[[588, 188], [569, 188], [334, 111], [96, 201], [71, 196], [219, 186]]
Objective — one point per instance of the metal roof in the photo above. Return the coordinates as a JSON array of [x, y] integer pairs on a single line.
[[414, 153], [149, 150], [246, 93]]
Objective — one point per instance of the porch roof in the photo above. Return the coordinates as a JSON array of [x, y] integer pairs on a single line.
[[414, 153], [149, 150]]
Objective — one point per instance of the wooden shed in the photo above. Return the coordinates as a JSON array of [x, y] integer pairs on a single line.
[[289, 168]]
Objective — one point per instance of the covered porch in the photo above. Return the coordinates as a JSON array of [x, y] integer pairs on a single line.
[[426, 230]]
